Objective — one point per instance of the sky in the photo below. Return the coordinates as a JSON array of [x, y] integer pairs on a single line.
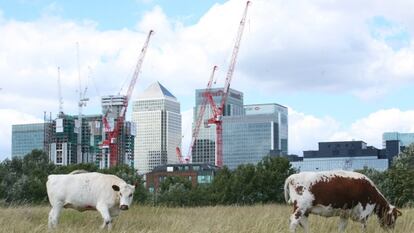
[[345, 69]]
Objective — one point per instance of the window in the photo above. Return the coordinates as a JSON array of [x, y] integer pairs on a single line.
[[204, 179]]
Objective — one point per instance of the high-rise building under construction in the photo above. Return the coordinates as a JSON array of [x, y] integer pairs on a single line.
[[112, 106], [63, 141]]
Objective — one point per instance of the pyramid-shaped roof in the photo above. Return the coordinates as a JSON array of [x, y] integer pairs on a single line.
[[156, 91]]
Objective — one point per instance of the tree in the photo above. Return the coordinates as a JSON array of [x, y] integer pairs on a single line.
[[220, 189], [400, 177], [405, 160], [273, 172], [174, 191], [245, 185]]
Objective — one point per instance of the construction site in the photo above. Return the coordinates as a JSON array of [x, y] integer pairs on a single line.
[[107, 139]]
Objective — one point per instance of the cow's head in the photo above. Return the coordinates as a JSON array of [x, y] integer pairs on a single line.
[[390, 217], [126, 193]]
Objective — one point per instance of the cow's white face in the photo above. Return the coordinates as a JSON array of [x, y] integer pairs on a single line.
[[390, 217], [126, 193]]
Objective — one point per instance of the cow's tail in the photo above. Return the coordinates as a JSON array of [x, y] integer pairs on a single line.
[[286, 188]]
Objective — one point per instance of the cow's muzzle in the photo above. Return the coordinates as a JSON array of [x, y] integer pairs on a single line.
[[124, 207]]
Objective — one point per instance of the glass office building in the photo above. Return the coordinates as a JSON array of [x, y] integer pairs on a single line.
[[405, 139], [156, 115], [260, 132], [204, 150], [27, 137]]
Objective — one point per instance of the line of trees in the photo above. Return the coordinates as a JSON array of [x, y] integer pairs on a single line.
[[22, 180], [247, 184]]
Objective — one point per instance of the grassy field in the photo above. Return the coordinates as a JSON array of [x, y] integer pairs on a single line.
[[266, 218]]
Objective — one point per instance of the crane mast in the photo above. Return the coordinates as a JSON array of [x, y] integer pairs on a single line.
[[113, 136], [196, 129], [60, 93], [81, 104], [218, 111]]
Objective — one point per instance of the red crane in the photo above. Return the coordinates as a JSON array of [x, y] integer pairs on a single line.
[[112, 141], [218, 110], [199, 120]]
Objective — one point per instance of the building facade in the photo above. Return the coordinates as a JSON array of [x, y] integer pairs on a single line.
[[280, 128], [405, 139], [112, 106], [196, 173], [261, 132], [344, 155], [204, 150], [27, 137], [156, 115], [63, 146], [91, 138]]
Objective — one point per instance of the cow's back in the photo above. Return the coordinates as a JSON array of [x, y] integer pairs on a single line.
[[339, 189], [78, 190], [344, 190]]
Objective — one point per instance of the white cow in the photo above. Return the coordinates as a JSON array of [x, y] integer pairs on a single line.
[[83, 191]]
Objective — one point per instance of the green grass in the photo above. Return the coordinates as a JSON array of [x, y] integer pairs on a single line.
[[259, 218]]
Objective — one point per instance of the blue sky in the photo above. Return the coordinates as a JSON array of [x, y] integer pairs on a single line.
[[344, 69], [109, 15]]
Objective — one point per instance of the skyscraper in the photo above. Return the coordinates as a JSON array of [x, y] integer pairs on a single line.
[[156, 115], [204, 149], [405, 139], [27, 137], [263, 130]]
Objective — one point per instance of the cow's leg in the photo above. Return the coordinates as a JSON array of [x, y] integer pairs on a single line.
[[343, 222], [364, 225], [296, 218], [54, 215], [114, 212], [303, 221], [103, 209]]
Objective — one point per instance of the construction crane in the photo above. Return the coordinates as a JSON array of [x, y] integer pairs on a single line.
[[81, 104], [60, 94], [218, 111], [199, 120], [112, 141]]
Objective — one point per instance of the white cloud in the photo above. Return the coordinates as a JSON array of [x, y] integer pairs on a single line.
[[305, 131], [287, 46]]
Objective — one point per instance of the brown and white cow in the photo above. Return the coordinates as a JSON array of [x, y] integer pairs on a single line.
[[336, 193], [82, 191]]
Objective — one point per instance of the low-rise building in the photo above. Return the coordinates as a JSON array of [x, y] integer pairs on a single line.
[[196, 173], [345, 155]]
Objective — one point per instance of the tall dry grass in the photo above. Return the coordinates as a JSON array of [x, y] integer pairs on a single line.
[[259, 218]]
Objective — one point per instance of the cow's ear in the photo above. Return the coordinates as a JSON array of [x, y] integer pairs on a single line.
[[115, 187], [398, 212]]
